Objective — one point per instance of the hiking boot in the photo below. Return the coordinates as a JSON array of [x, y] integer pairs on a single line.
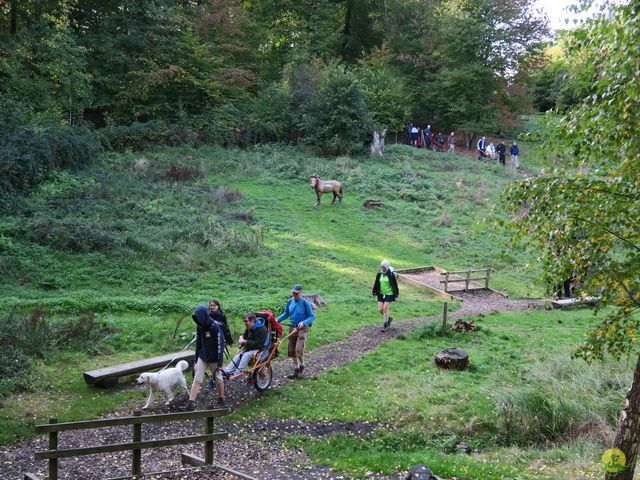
[[389, 323], [190, 406], [295, 374], [220, 402], [301, 370], [385, 326]]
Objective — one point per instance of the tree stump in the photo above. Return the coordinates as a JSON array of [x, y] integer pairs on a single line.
[[377, 145], [452, 358], [372, 203]]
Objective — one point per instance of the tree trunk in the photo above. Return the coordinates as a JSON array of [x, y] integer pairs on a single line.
[[346, 33], [14, 17], [628, 435], [377, 145]]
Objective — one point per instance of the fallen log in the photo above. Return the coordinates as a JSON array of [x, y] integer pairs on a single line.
[[373, 203]]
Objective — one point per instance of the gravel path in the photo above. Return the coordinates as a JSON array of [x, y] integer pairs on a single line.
[[254, 449]]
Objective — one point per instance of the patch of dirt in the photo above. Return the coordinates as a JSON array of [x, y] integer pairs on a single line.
[[254, 448]]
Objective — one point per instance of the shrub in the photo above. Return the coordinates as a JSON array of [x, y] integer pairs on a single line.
[[145, 136], [562, 398], [74, 236], [29, 154], [25, 337], [336, 116], [182, 173]]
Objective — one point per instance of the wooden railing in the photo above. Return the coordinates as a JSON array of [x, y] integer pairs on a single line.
[[137, 444], [465, 276]]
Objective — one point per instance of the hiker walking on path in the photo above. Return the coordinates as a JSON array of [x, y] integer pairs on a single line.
[[209, 353], [452, 143], [300, 312], [501, 149], [482, 146], [385, 288], [514, 151]]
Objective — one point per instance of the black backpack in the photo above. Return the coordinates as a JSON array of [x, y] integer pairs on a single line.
[[228, 339]]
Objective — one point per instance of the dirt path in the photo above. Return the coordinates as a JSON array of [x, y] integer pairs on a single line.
[[255, 448]]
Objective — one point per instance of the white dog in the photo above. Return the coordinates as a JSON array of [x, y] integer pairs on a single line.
[[165, 381]]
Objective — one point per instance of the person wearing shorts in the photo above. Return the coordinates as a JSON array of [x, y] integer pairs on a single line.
[[300, 311], [385, 289], [209, 354]]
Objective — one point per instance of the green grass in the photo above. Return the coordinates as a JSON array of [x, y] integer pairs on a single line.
[[141, 250], [432, 409]]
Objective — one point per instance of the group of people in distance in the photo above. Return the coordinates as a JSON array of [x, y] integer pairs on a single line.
[[211, 323], [424, 137], [210, 342], [498, 152]]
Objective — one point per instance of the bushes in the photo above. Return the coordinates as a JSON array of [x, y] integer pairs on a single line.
[[26, 337], [29, 154], [336, 116], [145, 136]]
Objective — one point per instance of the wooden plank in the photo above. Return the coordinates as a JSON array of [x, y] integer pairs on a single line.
[[460, 272], [114, 422], [194, 461], [237, 473], [444, 319], [120, 447], [130, 368], [188, 459], [433, 290], [417, 269], [472, 279], [136, 460], [53, 446]]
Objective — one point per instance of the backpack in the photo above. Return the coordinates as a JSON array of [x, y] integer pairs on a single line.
[[228, 338], [274, 328]]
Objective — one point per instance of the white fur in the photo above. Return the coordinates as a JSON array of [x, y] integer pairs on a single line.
[[165, 381]]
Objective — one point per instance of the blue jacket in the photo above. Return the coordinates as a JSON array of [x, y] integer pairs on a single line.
[[513, 150], [209, 336], [300, 311]]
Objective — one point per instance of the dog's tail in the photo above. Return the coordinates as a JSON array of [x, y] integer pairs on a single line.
[[182, 365]]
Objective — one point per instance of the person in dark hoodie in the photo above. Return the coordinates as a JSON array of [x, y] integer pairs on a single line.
[[251, 341], [385, 288], [209, 354]]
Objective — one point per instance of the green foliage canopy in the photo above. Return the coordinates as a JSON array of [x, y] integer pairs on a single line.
[[584, 213]]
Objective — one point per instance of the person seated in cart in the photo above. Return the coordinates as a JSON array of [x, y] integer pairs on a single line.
[[251, 341]]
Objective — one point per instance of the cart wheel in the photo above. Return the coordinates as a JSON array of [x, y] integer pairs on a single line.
[[434, 148], [262, 378]]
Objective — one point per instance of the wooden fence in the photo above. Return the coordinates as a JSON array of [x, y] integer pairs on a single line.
[[137, 444], [465, 276]]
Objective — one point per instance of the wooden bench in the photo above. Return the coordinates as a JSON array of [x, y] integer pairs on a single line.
[[107, 377]]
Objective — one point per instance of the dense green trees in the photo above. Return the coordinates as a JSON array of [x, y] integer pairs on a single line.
[[241, 72]]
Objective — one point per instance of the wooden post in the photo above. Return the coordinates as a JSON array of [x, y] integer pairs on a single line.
[[446, 282], [136, 452], [444, 319], [53, 445], [208, 446], [467, 280], [486, 284]]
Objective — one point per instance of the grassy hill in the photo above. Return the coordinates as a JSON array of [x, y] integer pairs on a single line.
[[106, 266]]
